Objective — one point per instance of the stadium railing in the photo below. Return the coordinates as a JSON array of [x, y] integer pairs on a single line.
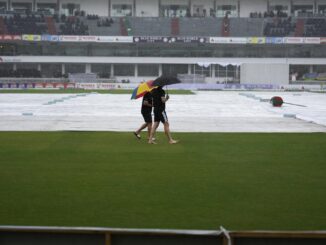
[[13, 235]]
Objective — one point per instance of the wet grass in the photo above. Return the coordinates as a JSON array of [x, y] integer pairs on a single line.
[[241, 181]]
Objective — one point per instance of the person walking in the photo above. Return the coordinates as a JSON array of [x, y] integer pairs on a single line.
[[146, 111], [159, 101]]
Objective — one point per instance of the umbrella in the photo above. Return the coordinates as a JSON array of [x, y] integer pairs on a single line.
[[142, 89], [165, 80]]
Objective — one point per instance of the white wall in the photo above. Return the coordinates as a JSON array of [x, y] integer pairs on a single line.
[[22, 1], [46, 1], [175, 2], [281, 2], [265, 73], [248, 6], [99, 7], [149, 8], [208, 4], [227, 2], [302, 2]]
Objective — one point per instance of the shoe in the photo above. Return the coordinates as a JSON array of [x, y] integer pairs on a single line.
[[173, 142], [152, 142], [137, 135]]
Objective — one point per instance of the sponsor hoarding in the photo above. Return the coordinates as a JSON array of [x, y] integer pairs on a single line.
[[187, 39], [312, 40], [228, 40], [32, 38], [87, 38], [68, 38], [10, 37], [256, 40], [50, 38], [152, 39], [114, 39], [10, 60], [274, 40], [294, 40]]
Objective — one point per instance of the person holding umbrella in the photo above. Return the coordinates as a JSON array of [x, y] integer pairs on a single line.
[[146, 111], [159, 101], [144, 90]]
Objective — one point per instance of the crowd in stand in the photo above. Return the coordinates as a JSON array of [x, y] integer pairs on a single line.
[[31, 24], [269, 14], [73, 26], [277, 23], [26, 73], [315, 28], [18, 24], [105, 22], [92, 17], [280, 27]]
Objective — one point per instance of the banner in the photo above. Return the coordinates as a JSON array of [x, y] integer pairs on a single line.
[[32, 38], [110, 86], [50, 38], [312, 40], [256, 40], [17, 37], [114, 39], [274, 40], [167, 39], [68, 38], [10, 37], [228, 40], [187, 39], [10, 59], [87, 38], [152, 39], [323, 40], [294, 40]]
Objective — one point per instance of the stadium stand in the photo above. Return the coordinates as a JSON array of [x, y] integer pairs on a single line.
[[151, 26], [18, 24], [271, 25], [315, 27], [200, 26], [50, 25], [125, 27], [175, 28], [103, 26], [24, 73], [73, 26], [279, 27], [244, 27], [3, 28], [225, 27], [199, 30], [299, 28]]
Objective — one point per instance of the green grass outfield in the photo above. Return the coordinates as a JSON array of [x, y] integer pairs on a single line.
[[78, 91], [241, 181]]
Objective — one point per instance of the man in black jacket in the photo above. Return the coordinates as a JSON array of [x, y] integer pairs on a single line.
[[159, 101], [146, 111]]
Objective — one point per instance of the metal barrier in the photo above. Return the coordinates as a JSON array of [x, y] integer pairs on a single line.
[[14, 235]]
